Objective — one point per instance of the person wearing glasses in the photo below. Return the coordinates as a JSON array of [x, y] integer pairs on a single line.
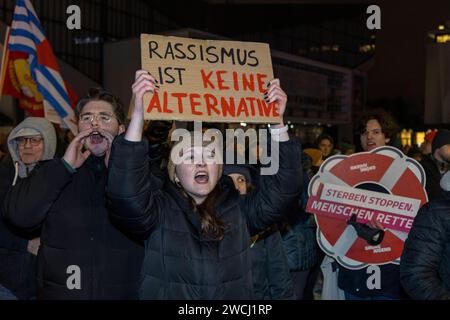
[[33, 140], [82, 254]]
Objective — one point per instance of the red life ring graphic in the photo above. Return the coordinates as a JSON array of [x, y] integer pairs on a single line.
[[382, 185]]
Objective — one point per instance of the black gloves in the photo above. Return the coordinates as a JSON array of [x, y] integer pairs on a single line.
[[371, 235]]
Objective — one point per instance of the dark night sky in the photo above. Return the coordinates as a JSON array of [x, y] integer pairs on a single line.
[[399, 69]]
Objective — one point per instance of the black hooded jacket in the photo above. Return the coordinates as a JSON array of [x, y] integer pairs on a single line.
[[76, 233], [433, 188], [17, 265], [425, 263], [180, 261]]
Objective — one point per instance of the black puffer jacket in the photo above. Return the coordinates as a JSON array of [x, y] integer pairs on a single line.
[[17, 265], [299, 231], [433, 188], [271, 277], [76, 231], [180, 262], [425, 263]]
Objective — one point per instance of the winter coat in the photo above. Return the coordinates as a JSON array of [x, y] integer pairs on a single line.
[[270, 269], [425, 263], [181, 262], [82, 254], [434, 190], [17, 265], [299, 233]]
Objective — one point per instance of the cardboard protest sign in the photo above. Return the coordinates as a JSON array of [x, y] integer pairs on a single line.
[[206, 80], [382, 185]]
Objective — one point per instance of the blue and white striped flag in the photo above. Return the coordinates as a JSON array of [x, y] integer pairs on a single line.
[[27, 36]]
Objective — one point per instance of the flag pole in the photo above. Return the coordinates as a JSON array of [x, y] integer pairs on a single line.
[[5, 55]]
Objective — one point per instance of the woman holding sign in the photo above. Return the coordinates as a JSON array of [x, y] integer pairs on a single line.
[[196, 226]]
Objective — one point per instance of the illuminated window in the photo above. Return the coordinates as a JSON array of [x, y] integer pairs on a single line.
[[333, 47], [443, 38], [405, 137], [365, 48], [420, 138]]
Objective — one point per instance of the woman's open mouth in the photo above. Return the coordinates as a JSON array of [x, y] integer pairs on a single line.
[[201, 177]]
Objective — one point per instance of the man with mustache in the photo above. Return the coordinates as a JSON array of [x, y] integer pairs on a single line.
[[82, 254]]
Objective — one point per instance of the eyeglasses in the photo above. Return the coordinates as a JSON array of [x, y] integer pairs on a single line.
[[34, 141], [103, 95], [104, 118]]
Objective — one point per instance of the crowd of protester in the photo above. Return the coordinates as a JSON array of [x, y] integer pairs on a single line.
[[107, 214]]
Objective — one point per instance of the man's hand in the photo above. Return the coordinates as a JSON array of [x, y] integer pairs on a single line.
[[33, 246], [74, 155], [375, 224]]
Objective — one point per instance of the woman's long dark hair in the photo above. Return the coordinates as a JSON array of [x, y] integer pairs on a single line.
[[212, 226]]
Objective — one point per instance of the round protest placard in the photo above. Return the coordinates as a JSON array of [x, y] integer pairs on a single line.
[[382, 185]]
